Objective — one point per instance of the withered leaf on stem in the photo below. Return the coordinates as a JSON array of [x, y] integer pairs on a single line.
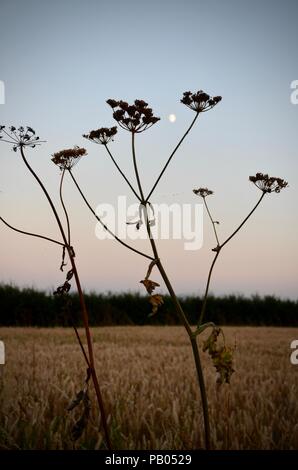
[[149, 285], [156, 301], [77, 400]]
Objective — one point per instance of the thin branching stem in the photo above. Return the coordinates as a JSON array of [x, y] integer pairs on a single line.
[[63, 205], [81, 344], [171, 156], [136, 167], [207, 289], [201, 382], [121, 172], [102, 223], [243, 222], [188, 329], [212, 221], [82, 303], [15, 139], [31, 234], [218, 249], [180, 313]]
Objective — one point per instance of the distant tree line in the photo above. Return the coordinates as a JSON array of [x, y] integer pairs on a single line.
[[30, 307]]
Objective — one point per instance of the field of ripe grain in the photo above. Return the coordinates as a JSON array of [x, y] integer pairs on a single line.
[[149, 387]]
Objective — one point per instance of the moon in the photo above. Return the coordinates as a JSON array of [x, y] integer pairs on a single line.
[[172, 117]]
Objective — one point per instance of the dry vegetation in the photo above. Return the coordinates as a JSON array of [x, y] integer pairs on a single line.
[[149, 388]]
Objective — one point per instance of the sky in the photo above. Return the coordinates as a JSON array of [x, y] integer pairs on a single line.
[[61, 60]]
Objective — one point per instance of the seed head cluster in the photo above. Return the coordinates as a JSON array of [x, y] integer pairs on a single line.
[[103, 136], [203, 192], [134, 118], [19, 137], [200, 102], [268, 184], [66, 159]]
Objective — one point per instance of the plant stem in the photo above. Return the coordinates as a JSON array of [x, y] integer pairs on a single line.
[[121, 172], [179, 311], [61, 244], [201, 383], [171, 156], [63, 205], [31, 234], [191, 336], [136, 167], [243, 222], [207, 289], [101, 222], [218, 249], [82, 303], [212, 221]]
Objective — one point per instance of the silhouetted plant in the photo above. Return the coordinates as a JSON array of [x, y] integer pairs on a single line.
[[137, 118]]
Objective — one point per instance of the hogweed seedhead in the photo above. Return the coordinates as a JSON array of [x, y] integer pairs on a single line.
[[221, 355], [134, 118], [103, 136], [268, 184], [19, 137], [200, 102], [68, 158], [203, 192]]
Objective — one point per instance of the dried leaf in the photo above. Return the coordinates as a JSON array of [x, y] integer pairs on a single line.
[[77, 400], [222, 356], [149, 285], [69, 275], [81, 423], [156, 301]]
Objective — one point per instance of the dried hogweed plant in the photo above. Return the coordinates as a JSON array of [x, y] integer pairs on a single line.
[[137, 118], [20, 139]]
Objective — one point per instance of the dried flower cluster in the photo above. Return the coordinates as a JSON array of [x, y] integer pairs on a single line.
[[203, 192], [103, 136], [66, 159], [200, 101], [20, 137], [268, 184], [134, 118]]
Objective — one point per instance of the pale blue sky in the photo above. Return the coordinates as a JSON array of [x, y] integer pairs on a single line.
[[61, 60]]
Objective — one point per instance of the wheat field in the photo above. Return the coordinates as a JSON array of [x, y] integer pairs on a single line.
[[149, 387]]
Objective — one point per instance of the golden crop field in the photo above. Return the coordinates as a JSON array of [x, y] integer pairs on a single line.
[[149, 387]]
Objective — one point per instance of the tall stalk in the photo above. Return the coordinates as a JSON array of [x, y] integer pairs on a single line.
[[192, 337]]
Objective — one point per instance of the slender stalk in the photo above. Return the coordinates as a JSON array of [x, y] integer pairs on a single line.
[[243, 222], [201, 383], [101, 222], [171, 156], [180, 313], [63, 205], [188, 329], [81, 344], [121, 172], [207, 289], [61, 244], [136, 167], [82, 302], [212, 221], [31, 234], [218, 249]]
